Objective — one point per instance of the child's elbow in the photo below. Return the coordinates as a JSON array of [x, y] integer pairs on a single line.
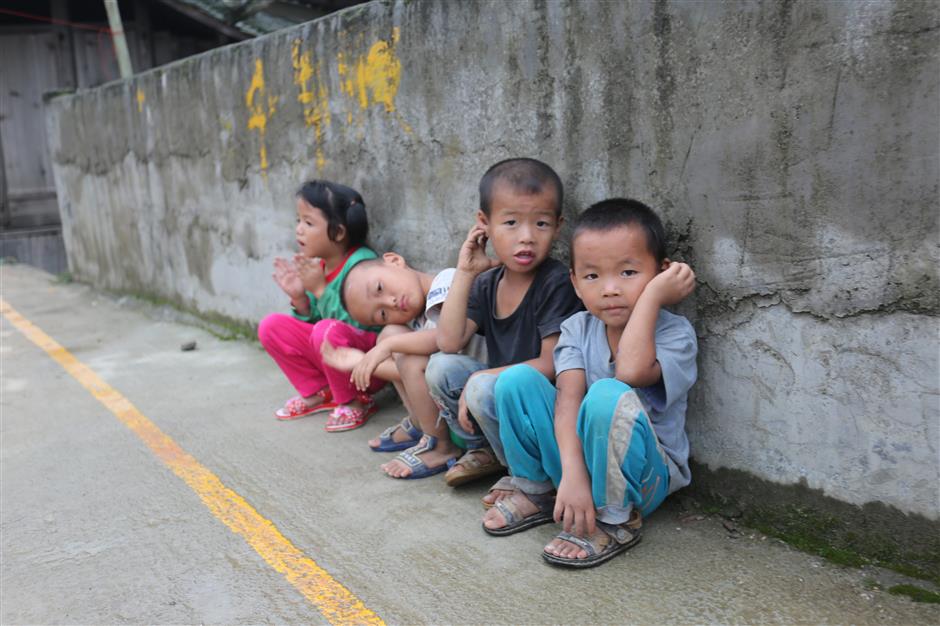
[[635, 376], [447, 344]]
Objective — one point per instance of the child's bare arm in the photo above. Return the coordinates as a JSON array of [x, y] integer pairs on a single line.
[[416, 342], [636, 354], [574, 504], [544, 362], [454, 329], [379, 357]]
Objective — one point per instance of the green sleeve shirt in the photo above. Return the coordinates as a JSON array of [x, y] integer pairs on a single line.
[[329, 306]]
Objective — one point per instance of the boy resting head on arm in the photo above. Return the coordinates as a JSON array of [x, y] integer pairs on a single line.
[[406, 302]]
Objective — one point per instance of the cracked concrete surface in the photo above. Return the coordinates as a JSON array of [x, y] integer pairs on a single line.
[[792, 147], [94, 529]]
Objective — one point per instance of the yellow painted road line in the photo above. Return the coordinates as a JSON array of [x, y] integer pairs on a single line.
[[337, 604]]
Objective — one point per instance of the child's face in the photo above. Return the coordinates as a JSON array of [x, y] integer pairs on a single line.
[[521, 226], [313, 239], [378, 294], [611, 269]]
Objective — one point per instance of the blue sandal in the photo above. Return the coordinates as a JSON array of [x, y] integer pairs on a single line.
[[387, 444], [418, 468]]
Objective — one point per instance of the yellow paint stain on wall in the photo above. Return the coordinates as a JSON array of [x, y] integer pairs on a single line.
[[140, 100], [260, 108], [373, 79], [315, 99], [335, 602]]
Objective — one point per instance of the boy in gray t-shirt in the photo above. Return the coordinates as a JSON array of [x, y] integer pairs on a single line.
[[611, 438]]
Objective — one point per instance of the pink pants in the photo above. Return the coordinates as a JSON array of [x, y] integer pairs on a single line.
[[295, 347]]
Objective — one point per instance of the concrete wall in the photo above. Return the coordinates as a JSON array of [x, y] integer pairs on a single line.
[[792, 147]]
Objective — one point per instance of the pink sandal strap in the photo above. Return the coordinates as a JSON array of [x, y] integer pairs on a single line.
[[345, 417]]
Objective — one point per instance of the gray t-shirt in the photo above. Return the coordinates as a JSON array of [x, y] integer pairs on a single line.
[[583, 345], [548, 302]]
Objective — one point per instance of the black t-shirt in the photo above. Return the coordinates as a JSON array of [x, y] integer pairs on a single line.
[[549, 301]]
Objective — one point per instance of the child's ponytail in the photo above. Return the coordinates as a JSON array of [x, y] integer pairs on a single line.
[[342, 206], [357, 223]]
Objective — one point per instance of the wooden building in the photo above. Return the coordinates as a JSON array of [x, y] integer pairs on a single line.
[[55, 45]]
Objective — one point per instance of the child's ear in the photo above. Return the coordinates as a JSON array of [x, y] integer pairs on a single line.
[[483, 221], [340, 233], [393, 258], [665, 264], [574, 284], [558, 225]]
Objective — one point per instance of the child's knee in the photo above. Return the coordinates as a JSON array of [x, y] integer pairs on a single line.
[[516, 379], [267, 329], [391, 330], [411, 364], [335, 332], [605, 393], [479, 395], [601, 401], [438, 370], [320, 331]]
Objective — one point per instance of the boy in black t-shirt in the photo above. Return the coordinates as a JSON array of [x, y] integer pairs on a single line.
[[516, 301]]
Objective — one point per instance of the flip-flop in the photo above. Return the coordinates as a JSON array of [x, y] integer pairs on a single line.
[[619, 538], [388, 444], [515, 521], [418, 467], [295, 408], [352, 418]]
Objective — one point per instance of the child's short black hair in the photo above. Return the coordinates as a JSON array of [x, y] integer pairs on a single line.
[[342, 285], [615, 212], [529, 176], [341, 206]]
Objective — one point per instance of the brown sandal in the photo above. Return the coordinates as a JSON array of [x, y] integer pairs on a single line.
[[470, 467]]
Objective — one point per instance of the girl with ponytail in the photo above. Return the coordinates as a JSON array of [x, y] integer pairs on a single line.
[[331, 236]]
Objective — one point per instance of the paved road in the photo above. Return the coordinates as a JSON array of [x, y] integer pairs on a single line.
[[96, 528]]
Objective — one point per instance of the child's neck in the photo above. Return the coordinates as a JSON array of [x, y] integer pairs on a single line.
[[425, 280], [335, 258], [511, 290], [518, 280], [613, 339]]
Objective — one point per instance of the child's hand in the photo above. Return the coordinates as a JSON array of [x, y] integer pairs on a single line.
[[463, 416], [287, 278], [341, 358], [574, 505], [362, 373], [472, 257], [312, 273], [672, 285]]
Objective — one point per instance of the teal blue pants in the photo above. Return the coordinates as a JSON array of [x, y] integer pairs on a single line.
[[627, 465]]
